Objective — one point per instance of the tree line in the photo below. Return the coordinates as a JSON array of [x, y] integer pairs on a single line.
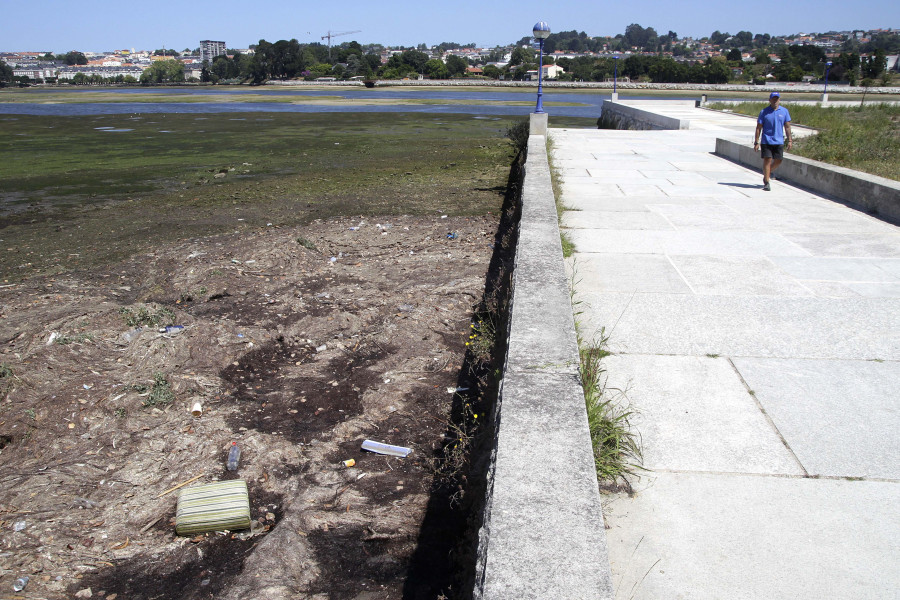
[[662, 59]]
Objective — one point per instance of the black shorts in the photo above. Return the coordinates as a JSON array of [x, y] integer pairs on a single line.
[[775, 151]]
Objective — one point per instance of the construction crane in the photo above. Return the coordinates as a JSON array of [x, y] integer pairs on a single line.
[[331, 34]]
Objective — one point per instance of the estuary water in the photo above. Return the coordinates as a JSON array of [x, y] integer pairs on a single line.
[[494, 103]]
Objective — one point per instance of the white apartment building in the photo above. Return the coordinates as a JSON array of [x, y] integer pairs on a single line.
[[210, 49]]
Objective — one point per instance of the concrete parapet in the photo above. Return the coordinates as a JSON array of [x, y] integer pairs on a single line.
[[621, 116], [876, 195], [537, 124], [543, 534]]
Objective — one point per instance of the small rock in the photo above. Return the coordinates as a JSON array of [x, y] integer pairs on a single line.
[[85, 593]]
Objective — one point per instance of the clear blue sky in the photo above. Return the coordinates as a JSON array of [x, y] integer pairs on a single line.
[[62, 25]]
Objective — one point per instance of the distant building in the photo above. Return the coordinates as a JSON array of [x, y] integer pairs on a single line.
[[210, 49]]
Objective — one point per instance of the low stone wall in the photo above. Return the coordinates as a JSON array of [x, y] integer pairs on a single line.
[[873, 194], [620, 116], [543, 534]]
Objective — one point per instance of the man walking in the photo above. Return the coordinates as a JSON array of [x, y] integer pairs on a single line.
[[774, 122]]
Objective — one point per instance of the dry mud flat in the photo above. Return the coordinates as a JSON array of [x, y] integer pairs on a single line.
[[296, 351]]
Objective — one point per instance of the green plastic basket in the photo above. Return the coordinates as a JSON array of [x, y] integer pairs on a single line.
[[221, 506]]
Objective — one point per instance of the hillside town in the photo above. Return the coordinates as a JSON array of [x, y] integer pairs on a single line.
[[639, 54]]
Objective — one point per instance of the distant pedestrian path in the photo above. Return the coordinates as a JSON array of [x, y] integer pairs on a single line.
[[758, 337]]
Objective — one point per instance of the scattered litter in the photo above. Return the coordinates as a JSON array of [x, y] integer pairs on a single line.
[[129, 336], [406, 307], [172, 329], [20, 525], [322, 348], [20, 583], [268, 224], [360, 476], [379, 448], [234, 260], [234, 457], [387, 380], [349, 463], [333, 259], [87, 386], [53, 337], [443, 216], [172, 489], [354, 229], [256, 528], [453, 390], [197, 409], [224, 505], [451, 236]]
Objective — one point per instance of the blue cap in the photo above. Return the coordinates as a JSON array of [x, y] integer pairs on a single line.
[[774, 95]]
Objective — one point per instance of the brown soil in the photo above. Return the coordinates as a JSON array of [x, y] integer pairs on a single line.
[[298, 355]]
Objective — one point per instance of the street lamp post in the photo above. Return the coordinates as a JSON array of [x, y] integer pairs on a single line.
[[615, 94], [825, 91], [541, 31]]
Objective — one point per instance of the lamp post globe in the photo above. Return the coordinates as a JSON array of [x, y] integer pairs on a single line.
[[540, 31]]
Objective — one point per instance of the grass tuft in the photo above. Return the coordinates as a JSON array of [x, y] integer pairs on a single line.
[[144, 316], [617, 448], [161, 392], [518, 133]]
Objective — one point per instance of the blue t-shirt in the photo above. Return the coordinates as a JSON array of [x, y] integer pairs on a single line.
[[773, 121]]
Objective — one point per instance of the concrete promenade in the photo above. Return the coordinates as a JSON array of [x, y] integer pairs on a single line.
[[758, 337]]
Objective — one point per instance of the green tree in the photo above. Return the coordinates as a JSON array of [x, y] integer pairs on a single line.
[[734, 54], [75, 58], [742, 39], [638, 36], [436, 69], [492, 71], [6, 73], [164, 71], [521, 55], [717, 71], [414, 59], [456, 65]]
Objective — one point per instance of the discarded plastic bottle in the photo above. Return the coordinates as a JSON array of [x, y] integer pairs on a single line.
[[171, 329], [20, 584], [234, 456]]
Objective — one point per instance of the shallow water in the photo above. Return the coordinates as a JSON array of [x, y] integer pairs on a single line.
[[486, 102]]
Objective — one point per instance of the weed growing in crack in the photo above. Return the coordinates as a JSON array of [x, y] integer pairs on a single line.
[[482, 339], [617, 448]]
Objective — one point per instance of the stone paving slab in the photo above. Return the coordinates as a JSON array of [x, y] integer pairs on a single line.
[[631, 220], [855, 403], [722, 243], [718, 536], [647, 273], [820, 327], [736, 276], [846, 244], [695, 414], [872, 270]]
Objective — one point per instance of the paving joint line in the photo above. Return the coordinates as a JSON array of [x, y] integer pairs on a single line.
[[768, 417]]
